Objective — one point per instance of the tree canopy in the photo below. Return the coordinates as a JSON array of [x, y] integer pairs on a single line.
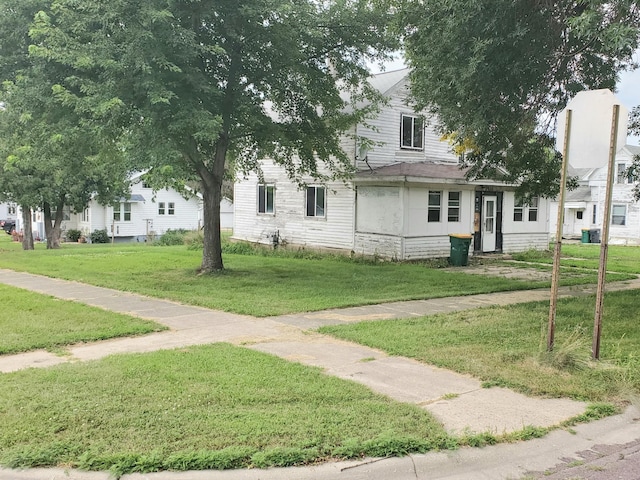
[[203, 83], [497, 73], [50, 157]]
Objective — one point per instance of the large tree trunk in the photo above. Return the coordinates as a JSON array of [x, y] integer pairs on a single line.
[[52, 226], [211, 196], [27, 233]]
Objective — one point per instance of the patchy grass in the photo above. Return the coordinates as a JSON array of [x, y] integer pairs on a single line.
[[205, 407], [503, 345], [29, 321], [255, 284], [625, 259]]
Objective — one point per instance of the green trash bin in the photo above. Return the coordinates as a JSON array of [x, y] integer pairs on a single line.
[[459, 255], [585, 235]]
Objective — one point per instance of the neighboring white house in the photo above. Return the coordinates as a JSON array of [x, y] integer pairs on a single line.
[[143, 214], [592, 114], [8, 211], [408, 196]]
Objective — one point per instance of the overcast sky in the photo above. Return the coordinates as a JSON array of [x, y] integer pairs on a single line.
[[628, 87]]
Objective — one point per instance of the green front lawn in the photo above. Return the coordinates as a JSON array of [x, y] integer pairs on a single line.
[[259, 285], [206, 407], [29, 321], [620, 258], [505, 346]]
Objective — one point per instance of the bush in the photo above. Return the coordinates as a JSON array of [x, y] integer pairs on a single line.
[[73, 235], [171, 237], [194, 240], [99, 236]]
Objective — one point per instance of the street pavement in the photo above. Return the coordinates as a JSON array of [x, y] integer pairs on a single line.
[[458, 401]]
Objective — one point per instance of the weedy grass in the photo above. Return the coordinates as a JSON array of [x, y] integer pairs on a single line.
[[624, 259], [30, 321], [262, 283], [502, 346], [205, 407]]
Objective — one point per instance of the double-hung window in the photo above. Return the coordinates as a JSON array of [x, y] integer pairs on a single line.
[[161, 208], [622, 174], [453, 213], [533, 210], [411, 132], [122, 211], [528, 211], [435, 204], [266, 198], [171, 210], [316, 201], [619, 215]]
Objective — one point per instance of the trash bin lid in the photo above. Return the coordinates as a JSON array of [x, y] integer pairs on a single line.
[[460, 235]]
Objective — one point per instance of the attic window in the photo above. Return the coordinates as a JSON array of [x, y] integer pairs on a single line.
[[411, 132]]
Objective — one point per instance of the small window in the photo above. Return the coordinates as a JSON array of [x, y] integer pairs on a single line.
[[518, 210], [594, 216], [127, 212], [11, 210], [266, 198], [85, 215], [145, 184], [433, 213], [533, 210], [622, 175], [619, 215], [161, 208], [315, 201], [453, 213], [172, 208], [116, 212], [579, 215], [411, 132]]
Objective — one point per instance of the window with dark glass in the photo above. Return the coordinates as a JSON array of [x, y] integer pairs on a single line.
[[453, 214], [266, 197], [619, 215], [411, 132], [435, 204], [316, 201]]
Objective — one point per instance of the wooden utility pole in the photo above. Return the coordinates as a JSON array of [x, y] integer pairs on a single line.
[[555, 275], [604, 239]]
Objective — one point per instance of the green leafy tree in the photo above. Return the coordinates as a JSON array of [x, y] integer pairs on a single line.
[[496, 74], [207, 84], [50, 158]]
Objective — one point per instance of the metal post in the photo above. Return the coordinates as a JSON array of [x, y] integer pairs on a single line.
[[555, 275], [604, 240]]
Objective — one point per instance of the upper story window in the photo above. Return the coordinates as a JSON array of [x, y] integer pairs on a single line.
[[11, 210], [316, 201], [266, 198], [161, 208], [435, 204], [171, 209], [622, 175], [411, 132]]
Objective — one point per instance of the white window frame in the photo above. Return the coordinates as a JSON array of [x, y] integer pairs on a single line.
[[315, 203], [161, 208], [416, 124], [85, 215], [528, 211], [434, 209], [11, 209], [453, 207], [171, 208], [122, 212], [622, 176], [622, 217], [266, 191]]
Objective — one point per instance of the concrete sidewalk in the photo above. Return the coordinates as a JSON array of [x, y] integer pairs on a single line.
[[458, 401]]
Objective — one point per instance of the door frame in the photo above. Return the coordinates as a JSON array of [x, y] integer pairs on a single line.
[[478, 217]]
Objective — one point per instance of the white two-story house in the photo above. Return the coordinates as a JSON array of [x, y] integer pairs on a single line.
[[408, 196]]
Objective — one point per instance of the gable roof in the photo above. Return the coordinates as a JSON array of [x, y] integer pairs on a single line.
[[386, 81]]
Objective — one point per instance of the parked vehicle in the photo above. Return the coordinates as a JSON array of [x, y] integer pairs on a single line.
[[8, 226]]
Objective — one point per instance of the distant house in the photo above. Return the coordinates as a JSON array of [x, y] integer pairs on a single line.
[[142, 215], [408, 196], [592, 113], [8, 211]]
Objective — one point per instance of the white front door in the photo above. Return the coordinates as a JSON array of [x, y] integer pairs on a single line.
[[489, 224]]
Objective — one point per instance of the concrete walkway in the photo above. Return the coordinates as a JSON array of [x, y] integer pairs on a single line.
[[458, 401]]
